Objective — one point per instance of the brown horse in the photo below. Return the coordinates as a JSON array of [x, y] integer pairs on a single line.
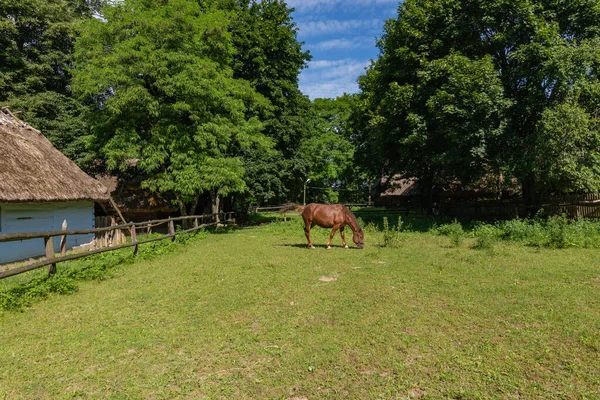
[[335, 216]]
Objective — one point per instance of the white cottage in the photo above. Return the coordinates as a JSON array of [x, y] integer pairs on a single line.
[[39, 189]]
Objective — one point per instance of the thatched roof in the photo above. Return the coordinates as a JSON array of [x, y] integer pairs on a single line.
[[32, 169], [401, 187]]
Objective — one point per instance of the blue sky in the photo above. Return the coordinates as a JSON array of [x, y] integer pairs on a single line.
[[341, 36]]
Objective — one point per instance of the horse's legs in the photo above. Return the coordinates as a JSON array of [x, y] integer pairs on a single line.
[[307, 232], [333, 231], [307, 225], [343, 237]]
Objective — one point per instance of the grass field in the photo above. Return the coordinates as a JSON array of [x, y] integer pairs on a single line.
[[254, 314]]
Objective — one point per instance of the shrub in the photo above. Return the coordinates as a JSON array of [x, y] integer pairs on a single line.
[[455, 231], [486, 236], [558, 232]]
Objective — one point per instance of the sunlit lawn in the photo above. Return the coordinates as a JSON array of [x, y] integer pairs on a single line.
[[255, 314]]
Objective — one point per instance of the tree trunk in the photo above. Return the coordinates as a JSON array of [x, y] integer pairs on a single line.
[[194, 206], [215, 200], [427, 187], [182, 210], [530, 197]]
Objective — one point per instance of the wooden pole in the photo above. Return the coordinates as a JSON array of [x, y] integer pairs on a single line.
[[49, 244], [134, 240], [113, 233], [116, 208], [63, 240], [172, 230]]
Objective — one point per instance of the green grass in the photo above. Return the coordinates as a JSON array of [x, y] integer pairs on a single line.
[[254, 314]]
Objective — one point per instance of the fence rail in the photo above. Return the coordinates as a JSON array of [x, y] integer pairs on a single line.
[[573, 206], [107, 245], [277, 208]]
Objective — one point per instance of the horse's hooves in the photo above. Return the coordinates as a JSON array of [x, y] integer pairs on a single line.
[[328, 247], [312, 247], [346, 246]]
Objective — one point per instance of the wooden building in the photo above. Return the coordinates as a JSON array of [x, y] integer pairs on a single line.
[[40, 188]]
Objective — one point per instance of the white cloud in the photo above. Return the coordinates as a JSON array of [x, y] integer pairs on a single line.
[[346, 44], [316, 28], [331, 78], [328, 5]]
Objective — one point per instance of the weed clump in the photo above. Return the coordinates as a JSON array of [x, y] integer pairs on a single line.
[[555, 232], [392, 237], [486, 237], [454, 231]]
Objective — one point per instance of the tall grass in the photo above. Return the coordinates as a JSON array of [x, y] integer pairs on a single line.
[[453, 230], [548, 232], [392, 237]]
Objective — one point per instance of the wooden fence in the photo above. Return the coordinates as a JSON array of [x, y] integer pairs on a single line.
[[108, 238], [573, 206]]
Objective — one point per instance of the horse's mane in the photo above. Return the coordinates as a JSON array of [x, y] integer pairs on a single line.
[[352, 218], [291, 207]]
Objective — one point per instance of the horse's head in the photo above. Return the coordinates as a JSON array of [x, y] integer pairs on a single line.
[[359, 238]]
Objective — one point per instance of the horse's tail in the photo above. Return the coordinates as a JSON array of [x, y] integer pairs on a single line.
[[291, 207]]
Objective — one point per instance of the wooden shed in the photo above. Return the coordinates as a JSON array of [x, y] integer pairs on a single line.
[[40, 188]]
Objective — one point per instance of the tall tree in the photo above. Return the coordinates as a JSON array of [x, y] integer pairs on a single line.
[[437, 123], [332, 152], [36, 54], [159, 77], [270, 57], [543, 54]]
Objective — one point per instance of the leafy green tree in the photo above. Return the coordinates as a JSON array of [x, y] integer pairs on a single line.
[[538, 56], [62, 119], [568, 158], [159, 77], [437, 126], [269, 56], [36, 53], [332, 152]]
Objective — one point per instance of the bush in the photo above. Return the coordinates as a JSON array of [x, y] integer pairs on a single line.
[[554, 232], [486, 236], [455, 231], [558, 232]]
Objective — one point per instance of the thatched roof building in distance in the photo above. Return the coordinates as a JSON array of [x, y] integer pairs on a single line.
[[40, 188]]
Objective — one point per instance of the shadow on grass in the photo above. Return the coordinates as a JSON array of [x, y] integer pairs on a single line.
[[23, 290], [317, 246], [37, 284], [259, 219]]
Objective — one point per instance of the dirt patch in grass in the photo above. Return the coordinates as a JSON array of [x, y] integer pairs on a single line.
[[327, 279]]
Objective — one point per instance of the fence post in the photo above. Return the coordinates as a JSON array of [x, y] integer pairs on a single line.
[[195, 222], [112, 234], [134, 240], [172, 229], [149, 229], [49, 244], [63, 240]]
